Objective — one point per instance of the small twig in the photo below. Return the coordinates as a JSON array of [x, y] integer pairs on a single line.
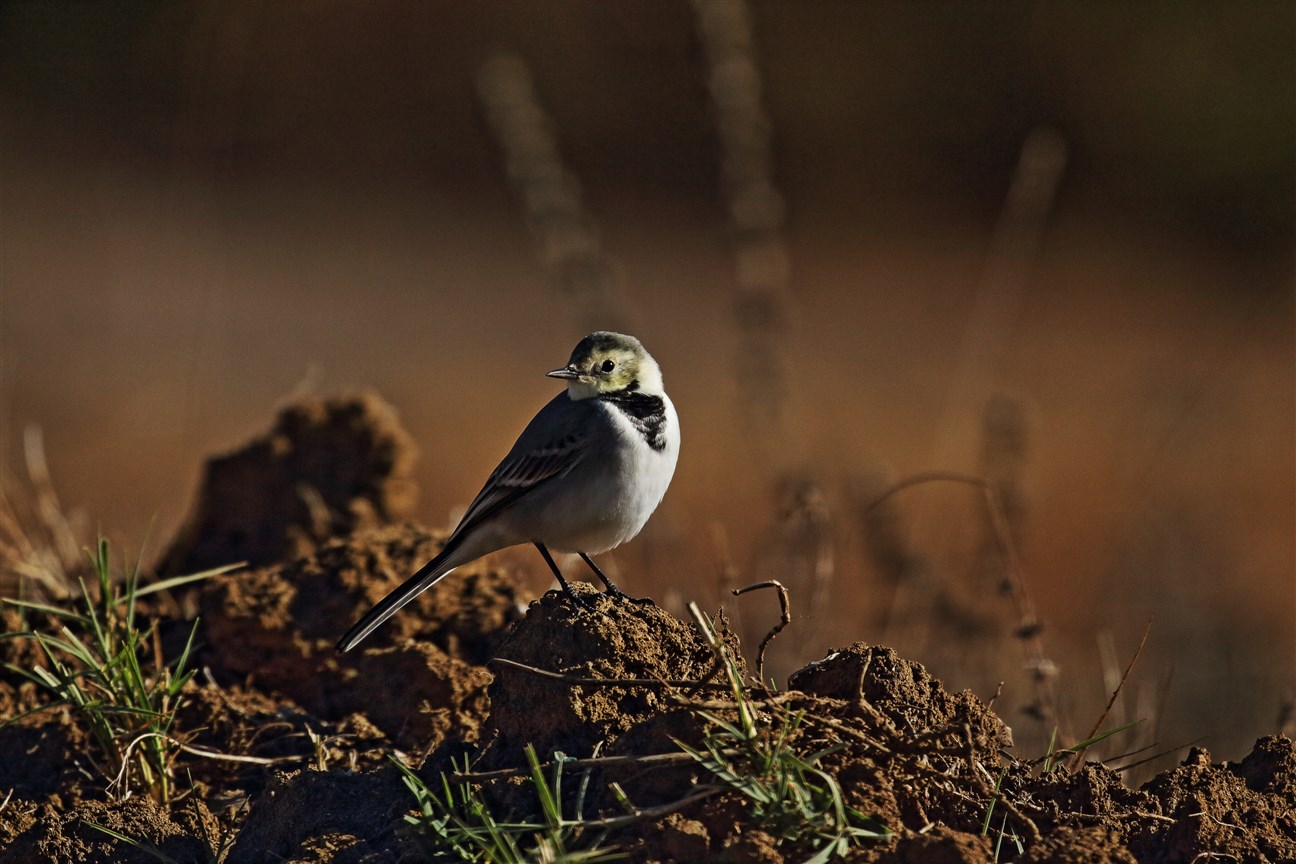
[[591, 762], [998, 692], [867, 707], [842, 728], [123, 773], [1154, 756], [230, 757], [652, 812], [1107, 763], [1156, 817], [785, 618], [1078, 759], [582, 681], [1216, 820], [764, 697]]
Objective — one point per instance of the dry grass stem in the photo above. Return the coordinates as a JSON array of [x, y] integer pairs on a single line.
[[756, 215], [584, 681], [1078, 759], [785, 618], [565, 232]]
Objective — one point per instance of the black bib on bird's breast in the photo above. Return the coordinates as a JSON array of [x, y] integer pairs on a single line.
[[646, 413]]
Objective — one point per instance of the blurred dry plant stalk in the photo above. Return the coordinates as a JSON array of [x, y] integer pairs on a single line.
[[756, 214], [550, 194], [801, 547], [806, 553], [915, 556], [1005, 439], [1144, 707], [40, 544]]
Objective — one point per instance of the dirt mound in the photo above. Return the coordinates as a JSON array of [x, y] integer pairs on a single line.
[[900, 690], [326, 817], [1243, 812], [326, 468], [275, 628], [58, 835], [908, 756], [613, 640]]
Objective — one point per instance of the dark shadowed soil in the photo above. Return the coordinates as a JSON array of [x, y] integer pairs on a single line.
[[468, 675]]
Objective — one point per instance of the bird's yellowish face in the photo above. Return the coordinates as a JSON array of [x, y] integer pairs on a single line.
[[606, 363]]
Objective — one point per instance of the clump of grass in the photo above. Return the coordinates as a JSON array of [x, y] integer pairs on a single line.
[[456, 821], [109, 668], [791, 796]]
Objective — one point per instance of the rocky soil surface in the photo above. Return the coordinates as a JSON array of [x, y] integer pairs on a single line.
[[290, 747]]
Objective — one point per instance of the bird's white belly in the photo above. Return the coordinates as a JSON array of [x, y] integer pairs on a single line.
[[616, 499]]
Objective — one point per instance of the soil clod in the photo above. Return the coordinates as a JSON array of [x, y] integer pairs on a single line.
[[326, 468]]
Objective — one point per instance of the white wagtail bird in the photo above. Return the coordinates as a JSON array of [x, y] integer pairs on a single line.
[[583, 477]]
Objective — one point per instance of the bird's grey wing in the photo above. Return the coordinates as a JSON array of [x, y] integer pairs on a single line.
[[554, 442]]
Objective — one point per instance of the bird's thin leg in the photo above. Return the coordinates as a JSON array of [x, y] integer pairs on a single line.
[[567, 589], [611, 589]]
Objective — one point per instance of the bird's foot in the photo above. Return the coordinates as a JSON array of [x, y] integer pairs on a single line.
[[578, 600], [617, 594]]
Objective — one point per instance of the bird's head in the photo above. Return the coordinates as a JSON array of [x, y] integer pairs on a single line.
[[604, 363]]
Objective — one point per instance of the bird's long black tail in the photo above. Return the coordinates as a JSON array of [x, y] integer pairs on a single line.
[[427, 576]]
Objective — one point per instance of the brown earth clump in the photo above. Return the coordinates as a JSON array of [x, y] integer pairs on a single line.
[[418, 679], [902, 691], [326, 468], [612, 640], [1242, 812], [66, 834], [324, 817]]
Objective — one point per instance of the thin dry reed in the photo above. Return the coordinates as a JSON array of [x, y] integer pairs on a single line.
[[566, 234], [801, 546], [756, 213], [40, 545]]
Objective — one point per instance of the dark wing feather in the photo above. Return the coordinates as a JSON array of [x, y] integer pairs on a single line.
[[554, 443]]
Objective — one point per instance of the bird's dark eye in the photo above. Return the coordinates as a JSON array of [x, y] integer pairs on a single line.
[[608, 366]]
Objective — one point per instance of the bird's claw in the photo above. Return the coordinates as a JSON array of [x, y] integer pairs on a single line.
[[579, 601], [617, 594]]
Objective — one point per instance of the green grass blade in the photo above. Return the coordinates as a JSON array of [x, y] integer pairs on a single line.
[[177, 581], [1102, 736], [985, 824], [64, 614], [549, 806]]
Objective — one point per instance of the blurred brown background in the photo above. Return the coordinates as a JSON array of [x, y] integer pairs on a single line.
[[209, 206]]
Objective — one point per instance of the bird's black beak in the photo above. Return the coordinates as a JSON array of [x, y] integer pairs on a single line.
[[567, 373]]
